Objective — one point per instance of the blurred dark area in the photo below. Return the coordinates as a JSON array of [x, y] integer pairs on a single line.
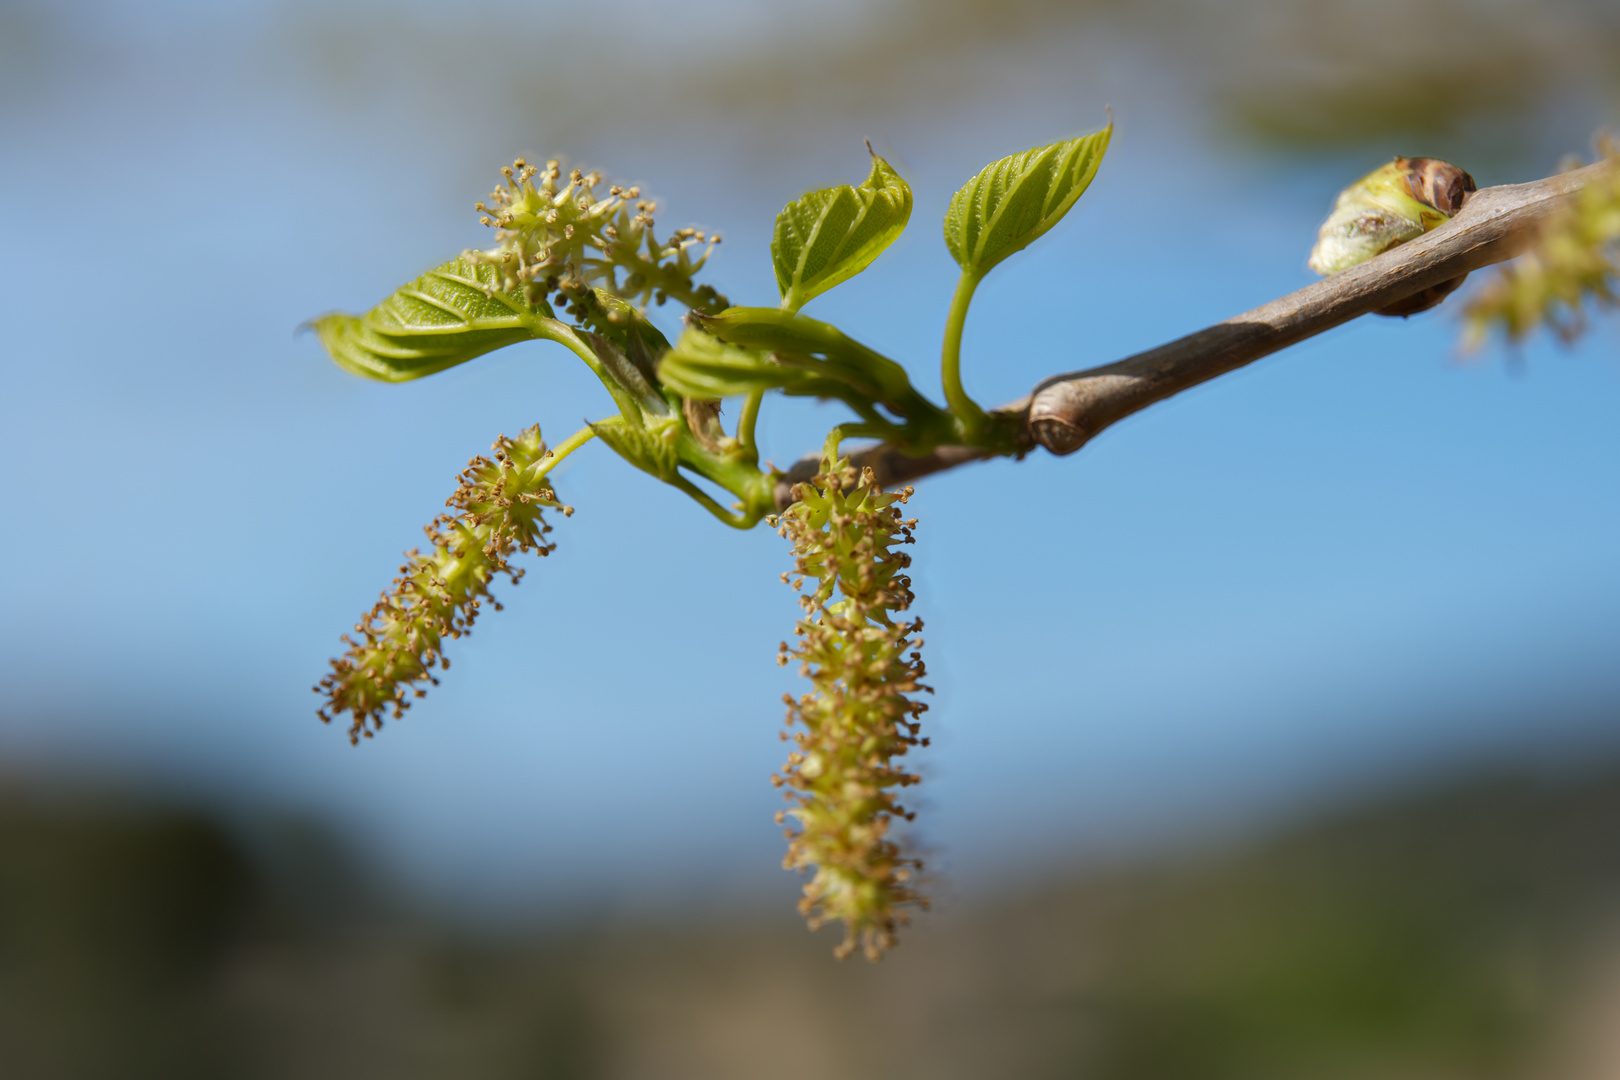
[[1459, 929]]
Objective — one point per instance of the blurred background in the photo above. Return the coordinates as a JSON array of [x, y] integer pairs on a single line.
[[1277, 733]]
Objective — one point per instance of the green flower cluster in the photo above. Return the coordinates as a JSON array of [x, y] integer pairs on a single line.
[[560, 238], [438, 594], [842, 778], [1575, 259]]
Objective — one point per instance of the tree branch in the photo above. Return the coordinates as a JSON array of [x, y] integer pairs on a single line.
[[1065, 412]]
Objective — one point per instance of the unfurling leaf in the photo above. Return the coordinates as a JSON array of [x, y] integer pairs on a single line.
[[829, 236], [702, 366], [642, 447], [1014, 201], [799, 339], [447, 316]]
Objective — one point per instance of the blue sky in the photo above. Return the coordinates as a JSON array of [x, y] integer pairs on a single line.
[[1363, 558]]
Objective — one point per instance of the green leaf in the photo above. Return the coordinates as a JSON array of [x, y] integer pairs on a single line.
[[703, 366], [646, 450], [829, 236], [789, 335], [443, 318], [1015, 200]]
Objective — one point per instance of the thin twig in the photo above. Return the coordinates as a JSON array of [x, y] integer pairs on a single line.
[[1066, 411]]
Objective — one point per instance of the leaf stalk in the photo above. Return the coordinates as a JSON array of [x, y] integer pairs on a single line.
[[967, 411]]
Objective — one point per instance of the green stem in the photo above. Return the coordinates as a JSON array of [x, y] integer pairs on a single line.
[[966, 409], [755, 490], [562, 450], [562, 333], [746, 422], [883, 433], [745, 520]]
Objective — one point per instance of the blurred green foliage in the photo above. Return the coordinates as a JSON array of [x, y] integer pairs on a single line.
[[1475, 81], [1470, 80], [114, 933], [1451, 932]]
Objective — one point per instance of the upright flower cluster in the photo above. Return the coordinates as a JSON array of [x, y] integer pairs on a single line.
[[497, 507], [560, 238], [1575, 259], [842, 779]]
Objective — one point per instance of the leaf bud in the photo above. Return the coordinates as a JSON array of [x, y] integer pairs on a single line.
[[1389, 206]]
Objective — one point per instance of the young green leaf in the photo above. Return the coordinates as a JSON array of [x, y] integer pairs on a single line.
[[787, 334], [829, 236], [702, 366], [445, 317], [645, 449], [1015, 200]]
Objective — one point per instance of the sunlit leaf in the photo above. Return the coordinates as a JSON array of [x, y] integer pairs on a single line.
[[790, 335], [702, 366], [647, 450], [443, 318], [1017, 199], [829, 236]]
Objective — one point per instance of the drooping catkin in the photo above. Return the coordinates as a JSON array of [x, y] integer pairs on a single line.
[[843, 777], [439, 592], [1574, 261]]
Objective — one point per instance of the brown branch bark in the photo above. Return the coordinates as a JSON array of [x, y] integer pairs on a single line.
[[1066, 411]]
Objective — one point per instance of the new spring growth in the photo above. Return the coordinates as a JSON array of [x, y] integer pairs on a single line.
[[1575, 259], [557, 237], [843, 777], [438, 594], [1392, 204]]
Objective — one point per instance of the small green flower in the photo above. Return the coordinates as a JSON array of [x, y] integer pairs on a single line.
[[556, 237], [842, 778]]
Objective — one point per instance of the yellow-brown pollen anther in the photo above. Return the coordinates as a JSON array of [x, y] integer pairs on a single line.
[[556, 236]]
